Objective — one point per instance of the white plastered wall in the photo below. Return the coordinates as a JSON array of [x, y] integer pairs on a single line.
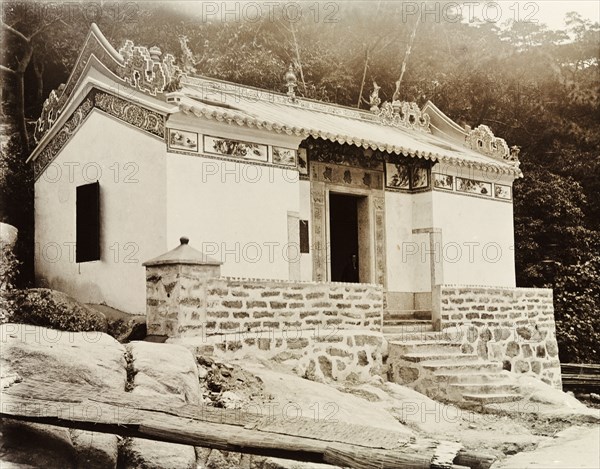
[[477, 233], [130, 167], [477, 236], [234, 211]]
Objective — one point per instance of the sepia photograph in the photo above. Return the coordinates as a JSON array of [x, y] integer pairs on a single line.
[[300, 234]]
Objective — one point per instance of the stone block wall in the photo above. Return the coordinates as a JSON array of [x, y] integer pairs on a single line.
[[182, 300], [512, 325], [342, 355]]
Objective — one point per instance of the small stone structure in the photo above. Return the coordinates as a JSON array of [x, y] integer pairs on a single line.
[[512, 325], [187, 297]]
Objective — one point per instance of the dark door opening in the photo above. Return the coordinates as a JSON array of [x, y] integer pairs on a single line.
[[343, 231]]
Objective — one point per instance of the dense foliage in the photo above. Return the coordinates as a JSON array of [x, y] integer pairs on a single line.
[[537, 88], [53, 309]]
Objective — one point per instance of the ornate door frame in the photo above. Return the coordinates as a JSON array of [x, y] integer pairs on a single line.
[[326, 178]]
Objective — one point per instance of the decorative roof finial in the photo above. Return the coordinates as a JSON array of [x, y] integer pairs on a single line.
[[187, 57], [514, 152], [374, 99], [155, 53], [291, 82], [483, 140]]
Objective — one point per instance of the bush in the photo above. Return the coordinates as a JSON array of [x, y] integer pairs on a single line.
[[53, 309], [577, 302], [9, 269]]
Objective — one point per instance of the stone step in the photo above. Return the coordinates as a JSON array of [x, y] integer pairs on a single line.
[[498, 387], [406, 314], [401, 347], [402, 322], [424, 336], [492, 398], [436, 356], [444, 366], [468, 376], [408, 328]]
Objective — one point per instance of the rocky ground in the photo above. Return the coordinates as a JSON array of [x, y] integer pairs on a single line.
[[548, 427], [503, 430]]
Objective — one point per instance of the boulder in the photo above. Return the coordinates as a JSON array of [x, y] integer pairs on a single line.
[[140, 453], [95, 450], [8, 235], [162, 370], [33, 445], [90, 358], [539, 392], [122, 326]]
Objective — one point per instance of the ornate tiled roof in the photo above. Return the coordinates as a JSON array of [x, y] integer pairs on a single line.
[[396, 127]]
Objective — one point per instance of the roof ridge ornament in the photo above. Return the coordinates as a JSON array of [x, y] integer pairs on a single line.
[[50, 112], [483, 140], [374, 99], [398, 113], [291, 82], [143, 69]]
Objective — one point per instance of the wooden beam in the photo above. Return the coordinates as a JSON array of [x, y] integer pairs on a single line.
[[168, 420]]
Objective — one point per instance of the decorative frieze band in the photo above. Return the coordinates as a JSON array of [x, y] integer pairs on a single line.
[[48, 154], [140, 117], [472, 187], [192, 143], [324, 151]]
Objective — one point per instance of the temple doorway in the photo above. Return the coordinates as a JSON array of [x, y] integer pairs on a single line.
[[346, 242]]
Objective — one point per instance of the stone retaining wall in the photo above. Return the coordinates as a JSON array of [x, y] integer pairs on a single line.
[[512, 325], [342, 355], [182, 300]]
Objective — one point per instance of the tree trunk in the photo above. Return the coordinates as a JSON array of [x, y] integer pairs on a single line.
[[297, 50], [38, 69], [19, 73], [364, 77], [20, 111]]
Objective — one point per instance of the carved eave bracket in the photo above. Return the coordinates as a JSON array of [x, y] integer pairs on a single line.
[[483, 140]]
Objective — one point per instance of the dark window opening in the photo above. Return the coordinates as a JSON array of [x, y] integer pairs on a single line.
[[304, 243], [88, 223]]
